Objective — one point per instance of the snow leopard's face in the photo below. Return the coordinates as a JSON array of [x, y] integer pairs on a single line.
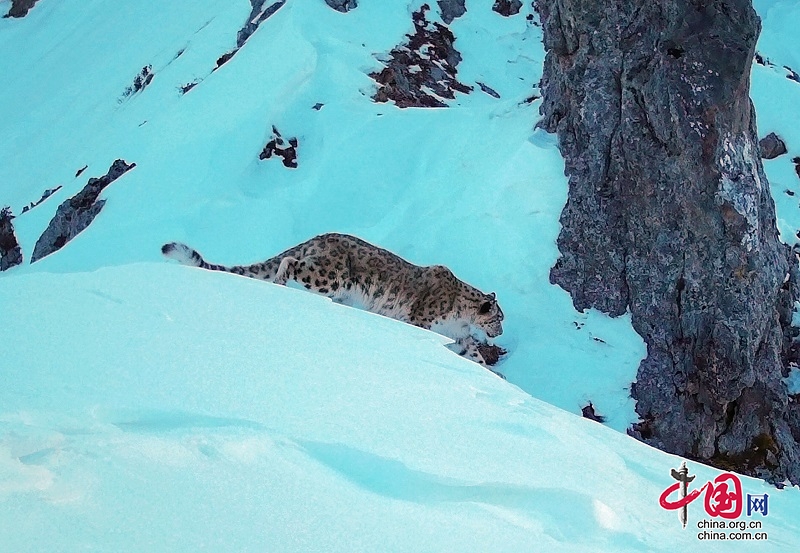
[[489, 317]]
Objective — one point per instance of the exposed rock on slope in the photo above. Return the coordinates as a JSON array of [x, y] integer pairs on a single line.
[[421, 72], [47, 193], [343, 6], [260, 13], [140, 81], [20, 8], [286, 149], [10, 252], [771, 146], [488, 90], [451, 9], [589, 412], [77, 213], [507, 7], [670, 215]]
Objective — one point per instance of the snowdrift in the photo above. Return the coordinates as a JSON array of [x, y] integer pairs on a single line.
[[153, 407]]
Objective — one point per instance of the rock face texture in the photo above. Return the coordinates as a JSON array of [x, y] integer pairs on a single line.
[[670, 216], [423, 71], [10, 252], [77, 213]]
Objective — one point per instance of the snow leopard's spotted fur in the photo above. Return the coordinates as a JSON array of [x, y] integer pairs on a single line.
[[354, 272]]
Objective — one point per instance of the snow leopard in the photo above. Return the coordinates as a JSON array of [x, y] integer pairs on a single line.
[[354, 272]]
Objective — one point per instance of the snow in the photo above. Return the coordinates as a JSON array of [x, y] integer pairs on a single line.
[[793, 381], [464, 187], [151, 407], [775, 97], [154, 407]]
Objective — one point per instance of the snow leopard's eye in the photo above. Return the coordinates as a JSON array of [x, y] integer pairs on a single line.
[[485, 308]]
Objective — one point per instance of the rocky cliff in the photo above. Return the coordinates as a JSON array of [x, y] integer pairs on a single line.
[[670, 216]]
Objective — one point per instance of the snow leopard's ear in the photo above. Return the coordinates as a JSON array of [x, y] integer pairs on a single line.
[[492, 296]]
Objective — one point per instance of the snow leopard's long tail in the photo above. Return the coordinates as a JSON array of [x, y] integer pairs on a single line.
[[188, 256]]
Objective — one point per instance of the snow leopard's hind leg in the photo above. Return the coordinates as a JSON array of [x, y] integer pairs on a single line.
[[287, 270]]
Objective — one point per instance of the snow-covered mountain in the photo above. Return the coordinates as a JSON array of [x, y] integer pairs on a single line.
[[151, 407]]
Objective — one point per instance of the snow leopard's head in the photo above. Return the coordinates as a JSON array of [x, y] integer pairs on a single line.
[[489, 316]]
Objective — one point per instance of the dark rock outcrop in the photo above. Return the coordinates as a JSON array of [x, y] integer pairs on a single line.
[[140, 81], [423, 71], [771, 146], [507, 7], [670, 216], [451, 9], [286, 149], [20, 8], [188, 86], [343, 6], [488, 90], [10, 251], [588, 412], [222, 60], [77, 213], [761, 60], [47, 193], [260, 13]]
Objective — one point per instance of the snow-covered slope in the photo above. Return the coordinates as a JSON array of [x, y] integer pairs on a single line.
[[152, 407], [776, 98], [471, 187]]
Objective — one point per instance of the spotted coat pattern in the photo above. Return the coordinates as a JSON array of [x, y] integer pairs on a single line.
[[353, 272]]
